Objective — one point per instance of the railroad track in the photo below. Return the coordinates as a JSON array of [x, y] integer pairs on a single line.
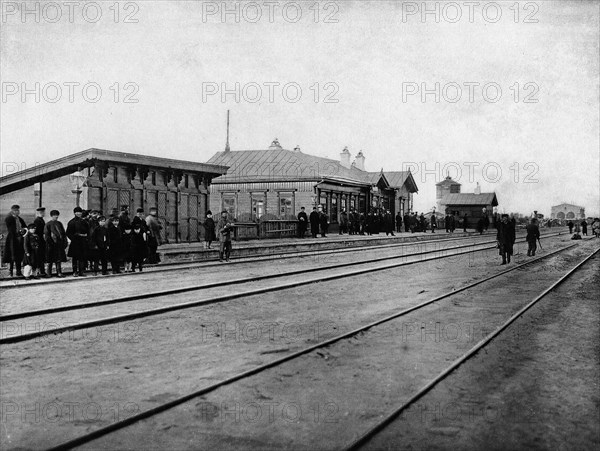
[[178, 266], [470, 247], [372, 432], [104, 431]]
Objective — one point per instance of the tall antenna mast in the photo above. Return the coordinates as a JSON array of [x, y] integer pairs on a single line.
[[227, 149]]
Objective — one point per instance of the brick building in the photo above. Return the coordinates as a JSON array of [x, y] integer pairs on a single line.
[[475, 205]]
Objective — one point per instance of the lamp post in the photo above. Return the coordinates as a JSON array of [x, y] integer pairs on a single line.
[[77, 179]]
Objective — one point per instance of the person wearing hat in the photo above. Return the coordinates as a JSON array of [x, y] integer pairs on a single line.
[[225, 228], [506, 238], [140, 220], [323, 222], [115, 245], [55, 238], [314, 222], [302, 222], [40, 223], [33, 253], [154, 238], [209, 230], [78, 231], [533, 235], [13, 246], [124, 219]]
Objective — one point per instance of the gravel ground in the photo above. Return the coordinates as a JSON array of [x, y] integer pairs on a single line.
[[81, 382]]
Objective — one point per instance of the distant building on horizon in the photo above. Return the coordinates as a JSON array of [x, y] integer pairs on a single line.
[[567, 211]]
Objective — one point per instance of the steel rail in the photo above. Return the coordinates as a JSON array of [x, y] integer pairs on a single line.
[[131, 298], [368, 435], [228, 297], [64, 308], [184, 265], [86, 438]]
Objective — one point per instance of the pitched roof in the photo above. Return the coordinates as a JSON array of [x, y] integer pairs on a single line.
[[470, 199], [86, 158], [277, 164], [396, 179], [283, 165]]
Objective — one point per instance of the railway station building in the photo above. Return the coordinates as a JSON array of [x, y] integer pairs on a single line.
[[475, 205], [274, 183], [108, 180]]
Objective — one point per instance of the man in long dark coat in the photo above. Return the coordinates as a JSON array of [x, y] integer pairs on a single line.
[[56, 242], [506, 238], [398, 222], [302, 222], [323, 222], [584, 225], [465, 223], [78, 231], [13, 247], [533, 234], [343, 222], [40, 223], [314, 222], [406, 222]]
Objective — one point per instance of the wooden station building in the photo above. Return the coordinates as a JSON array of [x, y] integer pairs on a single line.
[[107, 180], [475, 205], [274, 183]]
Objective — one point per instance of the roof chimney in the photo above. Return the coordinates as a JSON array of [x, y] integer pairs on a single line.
[[297, 148], [360, 161], [345, 158], [478, 189], [275, 145]]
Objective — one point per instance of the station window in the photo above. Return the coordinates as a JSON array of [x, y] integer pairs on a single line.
[[455, 188], [334, 208], [229, 204], [286, 207], [186, 181], [153, 177], [115, 174], [323, 202]]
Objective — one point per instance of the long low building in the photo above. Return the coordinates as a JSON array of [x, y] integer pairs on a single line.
[[274, 183], [107, 180]]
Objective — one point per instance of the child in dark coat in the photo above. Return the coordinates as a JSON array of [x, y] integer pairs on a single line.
[[98, 246], [139, 247], [126, 247], [34, 252], [115, 246]]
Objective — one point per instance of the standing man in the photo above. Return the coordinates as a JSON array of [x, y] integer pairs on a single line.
[[465, 223], [224, 228], [124, 219], [433, 223], [422, 224], [78, 231], [506, 238], [314, 222], [406, 222], [533, 234], [56, 243], [570, 224], [13, 247], [388, 223], [154, 238], [584, 225], [323, 222], [398, 222], [343, 222], [302, 222], [40, 223]]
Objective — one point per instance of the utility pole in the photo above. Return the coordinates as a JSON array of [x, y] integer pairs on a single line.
[[227, 149]]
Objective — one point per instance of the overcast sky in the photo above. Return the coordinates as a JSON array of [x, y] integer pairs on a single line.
[[361, 66]]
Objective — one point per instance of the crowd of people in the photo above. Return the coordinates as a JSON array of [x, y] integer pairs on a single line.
[[91, 239]]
